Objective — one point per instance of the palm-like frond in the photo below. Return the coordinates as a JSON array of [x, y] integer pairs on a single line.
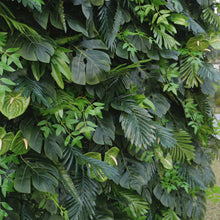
[[68, 184], [111, 17], [72, 156], [24, 29], [39, 91], [136, 123], [184, 150], [87, 190], [131, 202], [189, 71], [209, 16]]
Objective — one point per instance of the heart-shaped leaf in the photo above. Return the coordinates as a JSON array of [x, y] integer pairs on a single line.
[[13, 104], [19, 144]]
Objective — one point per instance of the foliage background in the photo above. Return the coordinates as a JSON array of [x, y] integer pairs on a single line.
[[104, 108]]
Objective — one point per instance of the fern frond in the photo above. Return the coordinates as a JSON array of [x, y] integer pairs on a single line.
[[165, 137], [68, 183], [131, 202], [137, 125], [111, 18], [209, 16], [87, 190], [72, 155], [24, 29], [39, 91], [184, 150], [189, 71]]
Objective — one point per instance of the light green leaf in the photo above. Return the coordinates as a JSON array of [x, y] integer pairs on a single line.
[[13, 104], [19, 144]]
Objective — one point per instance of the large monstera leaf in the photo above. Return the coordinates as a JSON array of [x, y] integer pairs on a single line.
[[89, 65], [13, 104], [43, 175], [36, 51]]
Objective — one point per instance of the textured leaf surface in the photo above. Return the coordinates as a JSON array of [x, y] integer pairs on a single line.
[[13, 105], [88, 66]]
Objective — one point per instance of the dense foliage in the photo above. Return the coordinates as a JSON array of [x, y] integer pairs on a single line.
[[104, 108]]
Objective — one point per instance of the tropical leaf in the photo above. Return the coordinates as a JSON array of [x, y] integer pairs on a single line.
[[53, 147], [42, 175], [209, 16], [207, 71], [135, 174], [88, 66], [19, 144], [184, 150], [5, 142], [136, 123], [189, 69], [87, 190], [161, 104], [42, 91], [105, 132], [111, 18], [131, 202], [170, 215], [32, 134], [68, 183], [72, 155], [13, 104]]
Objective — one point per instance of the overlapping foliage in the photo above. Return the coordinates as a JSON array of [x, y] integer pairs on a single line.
[[104, 108]]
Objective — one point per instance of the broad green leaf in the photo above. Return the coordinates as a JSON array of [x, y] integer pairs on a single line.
[[35, 51], [2, 132], [53, 147], [110, 156], [89, 66], [23, 179], [19, 144], [215, 41], [56, 74], [41, 18], [44, 177], [76, 25], [6, 142], [197, 43], [105, 132], [13, 104], [32, 134]]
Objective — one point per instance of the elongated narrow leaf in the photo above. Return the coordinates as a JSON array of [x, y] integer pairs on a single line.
[[68, 183]]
